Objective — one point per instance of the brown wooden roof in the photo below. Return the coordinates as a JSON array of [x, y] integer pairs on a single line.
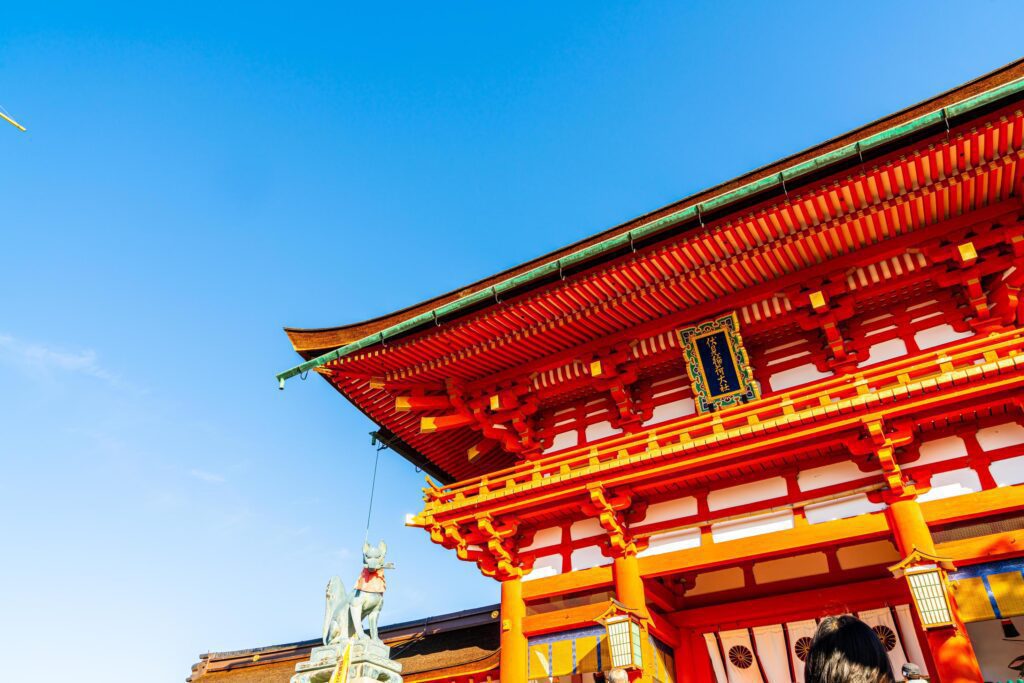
[[312, 342], [434, 649]]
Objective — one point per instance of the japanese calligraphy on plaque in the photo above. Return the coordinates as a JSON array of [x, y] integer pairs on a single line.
[[717, 364]]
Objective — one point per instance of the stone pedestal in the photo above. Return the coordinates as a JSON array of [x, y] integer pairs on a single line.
[[369, 662]]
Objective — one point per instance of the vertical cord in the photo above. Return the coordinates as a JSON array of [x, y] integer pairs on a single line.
[[373, 488]]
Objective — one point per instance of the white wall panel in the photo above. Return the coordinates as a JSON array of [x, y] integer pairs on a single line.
[[1008, 472], [883, 351], [949, 484], [549, 565], [793, 377], [1001, 436], [669, 510], [672, 411], [585, 558], [546, 537], [752, 526], [841, 508], [829, 475], [940, 450], [671, 541], [585, 528], [937, 336], [764, 489]]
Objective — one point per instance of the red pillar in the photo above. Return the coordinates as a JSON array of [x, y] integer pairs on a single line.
[[951, 649], [693, 665]]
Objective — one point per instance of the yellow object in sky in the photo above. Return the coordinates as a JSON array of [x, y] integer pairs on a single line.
[[11, 121]]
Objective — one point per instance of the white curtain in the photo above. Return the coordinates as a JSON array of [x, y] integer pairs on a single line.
[[771, 650], [740, 662], [798, 630], [882, 618], [908, 633], [716, 658]]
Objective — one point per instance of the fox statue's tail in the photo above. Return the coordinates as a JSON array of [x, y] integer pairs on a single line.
[[337, 610]]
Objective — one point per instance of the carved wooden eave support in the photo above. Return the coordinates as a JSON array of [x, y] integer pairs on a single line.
[[613, 374], [880, 441], [501, 559], [491, 544], [613, 512], [964, 274], [826, 313]]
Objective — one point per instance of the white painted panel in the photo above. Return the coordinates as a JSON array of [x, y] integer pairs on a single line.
[[937, 336], [563, 440], [829, 475], [752, 526], [798, 630], [841, 508], [787, 345], [585, 558], [716, 658], [739, 638], [671, 411], [883, 351], [921, 305], [880, 330], [801, 374], [798, 354], [883, 617], [940, 450], [747, 493], [1008, 472], [545, 537], [909, 636], [949, 484], [669, 510], [585, 528], [549, 565], [600, 430], [1000, 436], [771, 652], [672, 541]]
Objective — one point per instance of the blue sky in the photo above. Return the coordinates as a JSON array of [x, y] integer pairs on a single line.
[[195, 177]]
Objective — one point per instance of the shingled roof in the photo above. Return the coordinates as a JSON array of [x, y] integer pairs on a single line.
[[439, 648]]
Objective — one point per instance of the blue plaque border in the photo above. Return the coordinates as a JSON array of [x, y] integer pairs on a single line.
[[749, 390]]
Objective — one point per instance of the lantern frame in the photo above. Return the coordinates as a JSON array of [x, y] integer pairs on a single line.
[[624, 629], [926, 579]]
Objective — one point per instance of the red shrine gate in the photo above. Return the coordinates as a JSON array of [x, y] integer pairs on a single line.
[[679, 443]]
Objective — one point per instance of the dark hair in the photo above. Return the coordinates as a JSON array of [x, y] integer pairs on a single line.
[[846, 650]]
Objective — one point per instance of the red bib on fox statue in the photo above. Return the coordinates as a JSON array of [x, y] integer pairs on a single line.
[[371, 581]]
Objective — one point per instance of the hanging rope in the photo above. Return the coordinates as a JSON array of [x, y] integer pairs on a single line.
[[373, 488]]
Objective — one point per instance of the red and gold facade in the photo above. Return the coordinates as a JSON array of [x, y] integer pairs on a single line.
[[866, 422]]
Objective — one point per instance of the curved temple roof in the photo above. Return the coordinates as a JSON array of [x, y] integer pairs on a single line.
[[763, 231]]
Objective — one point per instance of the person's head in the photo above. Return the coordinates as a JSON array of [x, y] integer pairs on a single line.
[[846, 650], [616, 676]]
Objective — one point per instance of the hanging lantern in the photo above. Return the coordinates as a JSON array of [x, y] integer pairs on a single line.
[[624, 629], [926, 576]]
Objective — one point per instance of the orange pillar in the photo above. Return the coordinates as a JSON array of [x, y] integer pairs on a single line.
[[513, 641], [951, 649], [629, 587]]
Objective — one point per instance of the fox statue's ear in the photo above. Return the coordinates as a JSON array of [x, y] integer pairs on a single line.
[[383, 548], [366, 547]]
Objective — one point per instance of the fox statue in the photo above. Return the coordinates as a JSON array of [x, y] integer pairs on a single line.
[[345, 614]]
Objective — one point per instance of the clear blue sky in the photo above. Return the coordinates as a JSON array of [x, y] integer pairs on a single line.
[[195, 177]]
